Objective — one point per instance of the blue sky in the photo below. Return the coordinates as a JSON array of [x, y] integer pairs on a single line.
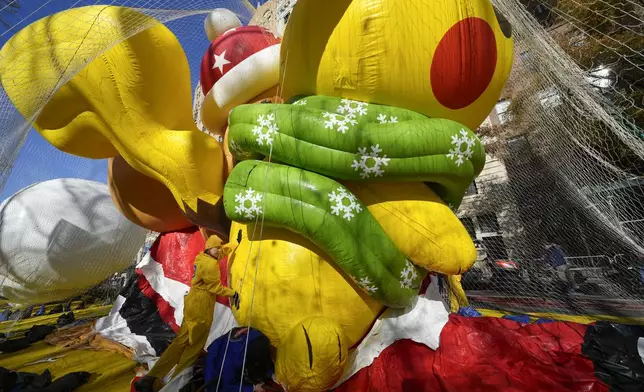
[[37, 160]]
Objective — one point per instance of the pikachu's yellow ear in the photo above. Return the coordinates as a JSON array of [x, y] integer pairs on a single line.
[[89, 72], [129, 95]]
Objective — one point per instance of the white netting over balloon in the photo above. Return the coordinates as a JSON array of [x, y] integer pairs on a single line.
[[565, 154], [294, 131]]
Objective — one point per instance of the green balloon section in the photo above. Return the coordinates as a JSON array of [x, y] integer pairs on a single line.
[[325, 212], [352, 140], [319, 139]]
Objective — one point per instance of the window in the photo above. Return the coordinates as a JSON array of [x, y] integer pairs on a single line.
[[519, 146], [600, 77], [472, 190], [528, 61], [469, 226], [488, 223], [542, 11], [550, 98], [502, 112]]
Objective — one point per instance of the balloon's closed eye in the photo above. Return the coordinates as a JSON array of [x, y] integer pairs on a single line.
[[505, 25]]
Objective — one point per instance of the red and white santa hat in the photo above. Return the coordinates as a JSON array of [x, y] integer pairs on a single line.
[[239, 65]]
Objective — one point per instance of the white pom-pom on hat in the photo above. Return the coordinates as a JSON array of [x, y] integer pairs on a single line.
[[219, 21], [238, 66]]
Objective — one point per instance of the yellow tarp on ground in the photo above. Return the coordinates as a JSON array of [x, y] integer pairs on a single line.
[[588, 319], [113, 371], [18, 327]]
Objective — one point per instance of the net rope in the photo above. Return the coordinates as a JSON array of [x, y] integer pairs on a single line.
[[565, 150], [565, 162]]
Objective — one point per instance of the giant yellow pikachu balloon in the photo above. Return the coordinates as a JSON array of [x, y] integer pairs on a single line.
[[443, 58], [132, 97]]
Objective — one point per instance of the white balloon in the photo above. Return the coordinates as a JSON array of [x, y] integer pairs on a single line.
[[59, 238], [219, 21]]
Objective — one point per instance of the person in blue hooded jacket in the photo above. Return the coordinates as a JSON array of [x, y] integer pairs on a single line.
[[555, 256], [226, 369]]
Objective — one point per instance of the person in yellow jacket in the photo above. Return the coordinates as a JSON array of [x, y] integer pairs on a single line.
[[198, 311]]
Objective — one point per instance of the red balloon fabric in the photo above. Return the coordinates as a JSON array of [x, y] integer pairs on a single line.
[[485, 354], [403, 366], [176, 252]]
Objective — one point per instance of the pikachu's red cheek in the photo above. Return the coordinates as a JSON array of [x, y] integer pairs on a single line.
[[464, 63]]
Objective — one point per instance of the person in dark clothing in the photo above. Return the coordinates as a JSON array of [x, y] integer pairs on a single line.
[[56, 309], [27, 312], [555, 256], [227, 358]]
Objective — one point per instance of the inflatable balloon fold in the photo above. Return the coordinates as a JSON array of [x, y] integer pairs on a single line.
[[61, 237]]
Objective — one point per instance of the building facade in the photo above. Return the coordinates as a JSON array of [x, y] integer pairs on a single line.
[[273, 15]]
